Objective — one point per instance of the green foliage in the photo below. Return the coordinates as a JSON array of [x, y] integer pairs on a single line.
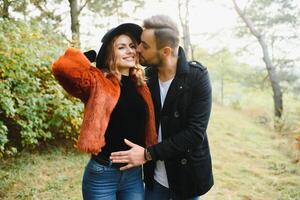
[[272, 17], [6, 5], [229, 76], [30, 98], [270, 13], [3, 137], [108, 8], [278, 21]]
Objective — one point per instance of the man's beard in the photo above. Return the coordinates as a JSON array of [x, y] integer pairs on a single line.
[[151, 64]]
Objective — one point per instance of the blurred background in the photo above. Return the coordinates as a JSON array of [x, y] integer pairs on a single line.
[[250, 47]]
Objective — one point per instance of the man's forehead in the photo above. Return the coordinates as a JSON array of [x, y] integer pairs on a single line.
[[148, 35]]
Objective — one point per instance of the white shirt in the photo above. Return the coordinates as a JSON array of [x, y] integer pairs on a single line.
[[160, 174]]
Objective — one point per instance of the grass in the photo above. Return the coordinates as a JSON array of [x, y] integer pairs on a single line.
[[250, 162], [51, 174]]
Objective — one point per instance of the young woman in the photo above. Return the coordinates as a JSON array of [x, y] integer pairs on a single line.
[[118, 105]]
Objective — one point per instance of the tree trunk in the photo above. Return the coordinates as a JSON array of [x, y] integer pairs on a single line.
[[185, 27], [75, 26], [277, 94], [275, 82], [4, 9]]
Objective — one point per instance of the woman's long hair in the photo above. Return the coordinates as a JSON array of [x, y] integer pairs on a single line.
[[137, 73]]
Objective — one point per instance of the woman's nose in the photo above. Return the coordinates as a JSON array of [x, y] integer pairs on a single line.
[[130, 50]]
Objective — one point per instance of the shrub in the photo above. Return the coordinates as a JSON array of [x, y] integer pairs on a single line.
[[33, 107]]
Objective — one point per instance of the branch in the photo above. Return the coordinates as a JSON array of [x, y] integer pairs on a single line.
[[248, 22], [44, 12], [64, 35], [180, 14], [80, 9], [11, 2]]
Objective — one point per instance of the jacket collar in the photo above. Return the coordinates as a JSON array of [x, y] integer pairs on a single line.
[[178, 84], [182, 63]]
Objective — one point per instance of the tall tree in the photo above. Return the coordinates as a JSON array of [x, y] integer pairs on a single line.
[[183, 9], [262, 18], [75, 11]]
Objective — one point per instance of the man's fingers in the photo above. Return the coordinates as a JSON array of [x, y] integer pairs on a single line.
[[129, 143], [127, 167], [120, 161], [117, 157], [119, 153]]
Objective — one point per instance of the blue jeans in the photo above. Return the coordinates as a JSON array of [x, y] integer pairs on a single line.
[[162, 193], [109, 183]]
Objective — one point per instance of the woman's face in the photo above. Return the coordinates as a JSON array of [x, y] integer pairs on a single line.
[[125, 52]]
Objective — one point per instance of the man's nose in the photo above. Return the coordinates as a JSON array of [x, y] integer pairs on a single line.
[[138, 49]]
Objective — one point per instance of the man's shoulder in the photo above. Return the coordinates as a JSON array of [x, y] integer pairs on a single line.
[[197, 70], [197, 65]]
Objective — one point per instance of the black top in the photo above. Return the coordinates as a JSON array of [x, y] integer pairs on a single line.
[[126, 121]]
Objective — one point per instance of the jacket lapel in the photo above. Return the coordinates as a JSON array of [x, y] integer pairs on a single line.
[[155, 92], [178, 85], [176, 88]]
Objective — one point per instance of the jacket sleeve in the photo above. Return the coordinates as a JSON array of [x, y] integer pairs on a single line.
[[192, 136], [74, 73]]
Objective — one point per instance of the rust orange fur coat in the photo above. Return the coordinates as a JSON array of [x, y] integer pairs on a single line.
[[100, 94]]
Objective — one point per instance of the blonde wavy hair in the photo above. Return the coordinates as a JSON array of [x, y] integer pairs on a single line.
[[137, 73]]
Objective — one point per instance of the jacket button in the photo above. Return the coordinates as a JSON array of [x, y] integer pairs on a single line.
[[183, 161], [176, 114]]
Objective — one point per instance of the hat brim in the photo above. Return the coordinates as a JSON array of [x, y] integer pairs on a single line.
[[133, 29], [91, 55]]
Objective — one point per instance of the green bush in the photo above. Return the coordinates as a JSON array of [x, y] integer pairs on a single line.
[[33, 107]]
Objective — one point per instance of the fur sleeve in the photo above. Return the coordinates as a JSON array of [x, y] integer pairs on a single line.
[[74, 73]]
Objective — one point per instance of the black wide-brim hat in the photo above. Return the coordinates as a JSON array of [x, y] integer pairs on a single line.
[[133, 29]]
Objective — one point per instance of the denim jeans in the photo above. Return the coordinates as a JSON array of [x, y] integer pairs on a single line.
[[109, 183], [162, 193]]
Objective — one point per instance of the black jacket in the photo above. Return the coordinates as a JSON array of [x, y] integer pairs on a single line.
[[184, 119]]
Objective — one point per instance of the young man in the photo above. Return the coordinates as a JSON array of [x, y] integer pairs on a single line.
[[179, 166]]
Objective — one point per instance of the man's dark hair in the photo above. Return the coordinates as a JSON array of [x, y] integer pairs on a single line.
[[165, 31]]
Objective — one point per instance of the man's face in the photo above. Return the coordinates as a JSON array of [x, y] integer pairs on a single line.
[[148, 53]]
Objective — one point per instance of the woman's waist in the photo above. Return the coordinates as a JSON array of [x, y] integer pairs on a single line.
[[103, 159]]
